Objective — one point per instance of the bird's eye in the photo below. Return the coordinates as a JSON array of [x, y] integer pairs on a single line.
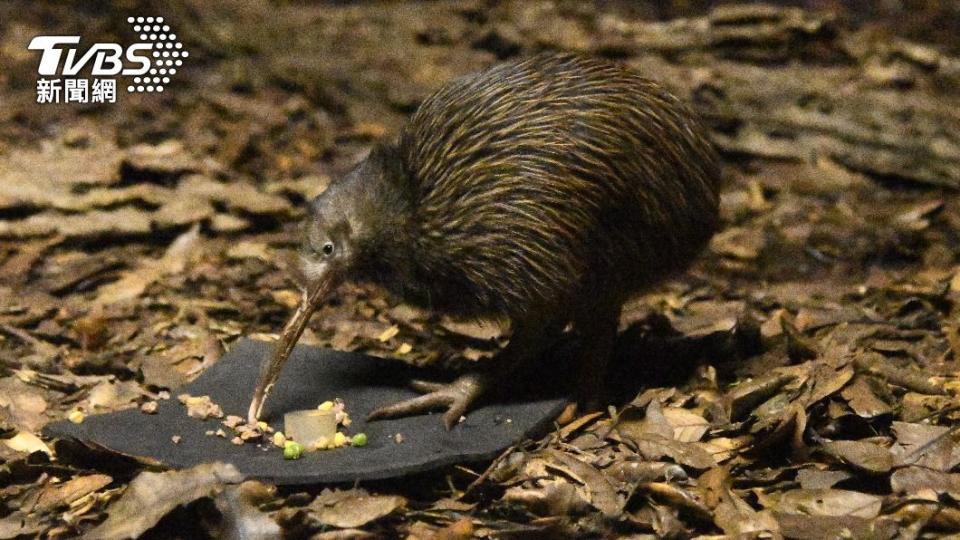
[[328, 248]]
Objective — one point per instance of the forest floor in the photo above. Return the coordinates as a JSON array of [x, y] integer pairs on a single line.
[[800, 381]]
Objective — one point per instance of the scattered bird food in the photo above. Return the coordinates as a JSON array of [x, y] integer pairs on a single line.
[[304, 431], [150, 407], [201, 407], [316, 429]]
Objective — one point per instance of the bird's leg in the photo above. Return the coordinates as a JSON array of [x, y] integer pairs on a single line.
[[598, 334], [524, 348]]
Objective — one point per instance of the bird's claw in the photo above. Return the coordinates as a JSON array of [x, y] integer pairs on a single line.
[[456, 396]]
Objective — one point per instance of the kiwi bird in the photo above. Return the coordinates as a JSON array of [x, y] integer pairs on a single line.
[[544, 191]]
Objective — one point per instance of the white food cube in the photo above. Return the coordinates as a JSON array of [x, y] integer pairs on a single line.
[[307, 427]]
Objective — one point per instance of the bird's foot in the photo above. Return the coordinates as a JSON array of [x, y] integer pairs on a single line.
[[456, 396]]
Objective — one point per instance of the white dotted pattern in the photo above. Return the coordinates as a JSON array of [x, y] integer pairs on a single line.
[[167, 52]]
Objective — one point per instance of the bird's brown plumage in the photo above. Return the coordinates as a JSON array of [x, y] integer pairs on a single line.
[[537, 183], [543, 191]]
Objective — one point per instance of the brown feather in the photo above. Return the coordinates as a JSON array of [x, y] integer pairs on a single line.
[[534, 186]]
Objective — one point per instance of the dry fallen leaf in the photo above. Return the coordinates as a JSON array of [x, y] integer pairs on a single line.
[[722, 449], [150, 496], [914, 481], [816, 527], [825, 381], [653, 424], [175, 366], [169, 157], [730, 512], [19, 525], [653, 436], [48, 175], [688, 454], [811, 478], [23, 402], [242, 520], [54, 496], [461, 529], [688, 426], [388, 334], [865, 456], [924, 445], [824, 502], [251, 250], [676, 497], [863, 399], [739, 243], [744, 397], [114, 395], [353, 508], [27, 442], [77, 191], [556, 497], [133, 283], [599, 490]]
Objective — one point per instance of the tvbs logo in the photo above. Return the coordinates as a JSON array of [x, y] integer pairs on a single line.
[[150, 62], [106, 57]]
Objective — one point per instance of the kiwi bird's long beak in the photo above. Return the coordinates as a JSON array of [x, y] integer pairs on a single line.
[[315, 294]]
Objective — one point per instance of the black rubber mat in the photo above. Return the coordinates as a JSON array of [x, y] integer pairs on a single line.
[[310, 377]]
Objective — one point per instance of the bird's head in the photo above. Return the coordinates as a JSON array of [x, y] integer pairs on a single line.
[[356, 221], [329, 237], [350, 227]]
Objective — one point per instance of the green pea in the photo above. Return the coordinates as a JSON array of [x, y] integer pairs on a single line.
[[360, 439], [292, 450]]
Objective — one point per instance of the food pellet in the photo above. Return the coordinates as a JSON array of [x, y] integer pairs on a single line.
[[292, 450], [360, 439]]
